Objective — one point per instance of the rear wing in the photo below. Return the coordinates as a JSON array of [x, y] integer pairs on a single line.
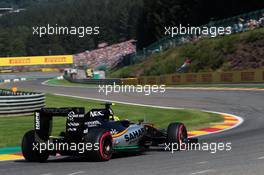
[[74, 122]]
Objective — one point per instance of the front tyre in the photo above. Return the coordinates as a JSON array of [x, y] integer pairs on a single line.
[[29, 151], [177, 135]]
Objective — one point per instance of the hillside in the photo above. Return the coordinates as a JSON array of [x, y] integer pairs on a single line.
[[117, 21], [17, 3], [234, 52]]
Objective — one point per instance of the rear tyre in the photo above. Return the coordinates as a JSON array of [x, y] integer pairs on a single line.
[[177, 135], [102, 142], [30, 153]]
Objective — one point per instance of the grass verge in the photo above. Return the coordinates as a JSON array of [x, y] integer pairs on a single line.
[[13, 128], [56, 82], [208, 55]]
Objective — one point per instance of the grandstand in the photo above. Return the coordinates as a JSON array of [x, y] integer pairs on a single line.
[[4, 11], [108, 56]]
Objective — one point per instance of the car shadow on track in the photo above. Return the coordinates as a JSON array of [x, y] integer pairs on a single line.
[[120, 155], [71, 159]]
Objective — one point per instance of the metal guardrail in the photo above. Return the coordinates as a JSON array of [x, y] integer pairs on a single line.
[[20, 102]]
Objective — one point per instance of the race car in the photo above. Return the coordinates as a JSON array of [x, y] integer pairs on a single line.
[[99, 129]]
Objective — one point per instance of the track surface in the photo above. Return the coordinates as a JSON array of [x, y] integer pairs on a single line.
[[246, 157]]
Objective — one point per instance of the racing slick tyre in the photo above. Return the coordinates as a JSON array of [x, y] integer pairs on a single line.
[[104, 144], [28, 151], [177, 135]]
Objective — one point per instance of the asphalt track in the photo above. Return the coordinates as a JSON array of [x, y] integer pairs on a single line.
[[245, 158]]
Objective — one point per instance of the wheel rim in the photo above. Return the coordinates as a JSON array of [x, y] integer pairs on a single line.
[[107, 148], [182, 136]]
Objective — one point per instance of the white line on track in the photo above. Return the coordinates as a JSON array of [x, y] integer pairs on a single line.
[[203, 172], [78, 172], [126, 103], [45, 83], [260, 158], [10, 160], [162, 107], [203, 162]]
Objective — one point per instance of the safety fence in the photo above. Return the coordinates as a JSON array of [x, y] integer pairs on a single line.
[[20, 103], [245, 76]]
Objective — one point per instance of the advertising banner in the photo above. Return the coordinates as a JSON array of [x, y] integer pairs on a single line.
[[36, 60]]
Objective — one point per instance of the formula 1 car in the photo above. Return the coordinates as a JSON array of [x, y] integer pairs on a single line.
[[97, 129]]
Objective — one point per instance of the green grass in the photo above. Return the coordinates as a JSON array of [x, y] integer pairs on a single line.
[[13, 128], [208, 55], [57, 82]]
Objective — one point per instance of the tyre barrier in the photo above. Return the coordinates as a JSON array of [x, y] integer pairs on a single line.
[[20, 102]]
